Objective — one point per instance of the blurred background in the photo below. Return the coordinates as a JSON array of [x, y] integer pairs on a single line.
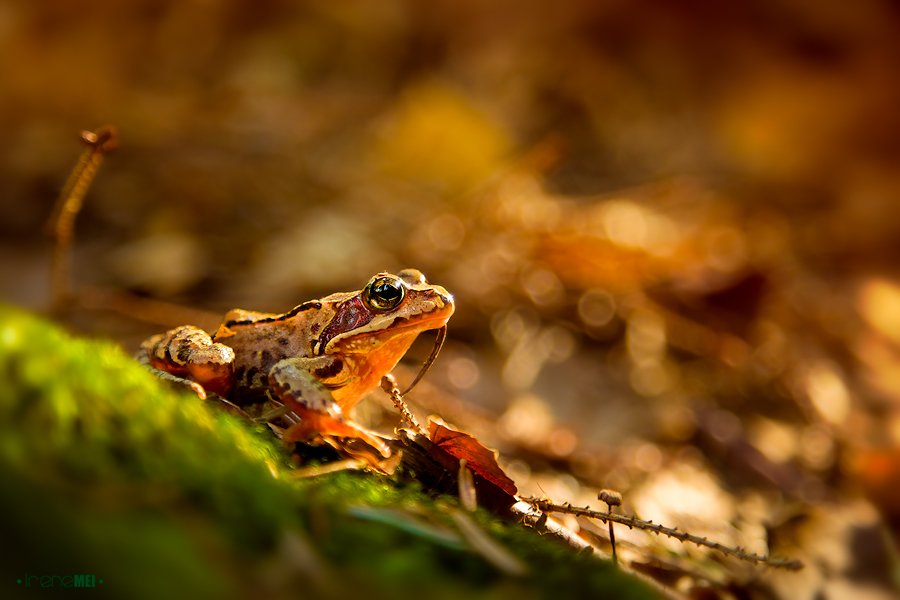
[[671, 229]]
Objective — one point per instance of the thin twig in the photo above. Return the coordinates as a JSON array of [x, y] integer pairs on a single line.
[[68, 205], [532, 517], [468, 497], [631, 521], [349, 464], [389, 385]]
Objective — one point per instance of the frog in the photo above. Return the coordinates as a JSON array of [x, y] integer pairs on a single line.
[[318, 359]]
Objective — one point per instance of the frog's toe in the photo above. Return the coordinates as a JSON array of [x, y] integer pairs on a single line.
[[188, 352], [313, 424]]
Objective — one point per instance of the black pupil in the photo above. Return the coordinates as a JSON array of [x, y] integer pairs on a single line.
[[386, 292]]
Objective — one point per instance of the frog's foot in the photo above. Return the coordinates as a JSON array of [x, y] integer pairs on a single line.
[[188, 353], [314, 424], [290, 382], [189, 385]]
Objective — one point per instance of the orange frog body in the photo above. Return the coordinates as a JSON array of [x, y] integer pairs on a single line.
[[319, 359]]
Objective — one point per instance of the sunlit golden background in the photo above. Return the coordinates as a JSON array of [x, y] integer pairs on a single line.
[[672, 229]]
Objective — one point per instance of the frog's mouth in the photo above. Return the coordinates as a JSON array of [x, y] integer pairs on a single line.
[[355, 321], [436, 319], [387, 327]]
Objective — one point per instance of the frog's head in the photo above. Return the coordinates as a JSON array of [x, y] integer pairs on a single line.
[[370, 330], [390, 309]]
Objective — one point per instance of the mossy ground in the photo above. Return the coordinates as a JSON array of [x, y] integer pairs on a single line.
[[106, 472]]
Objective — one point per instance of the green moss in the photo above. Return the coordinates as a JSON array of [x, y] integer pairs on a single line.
[[107, 472]]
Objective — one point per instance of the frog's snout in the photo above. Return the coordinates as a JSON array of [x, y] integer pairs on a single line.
[[444, 299]]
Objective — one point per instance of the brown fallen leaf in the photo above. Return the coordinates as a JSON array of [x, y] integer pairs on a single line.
[[463, 446], [434, 460]]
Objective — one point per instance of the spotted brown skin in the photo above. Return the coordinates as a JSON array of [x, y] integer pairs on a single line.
[[320, 358]]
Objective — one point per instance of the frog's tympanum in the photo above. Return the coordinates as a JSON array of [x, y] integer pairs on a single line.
[[319, 359]]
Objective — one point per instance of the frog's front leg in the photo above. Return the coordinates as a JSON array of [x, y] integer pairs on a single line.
[[292, 382], [188, 354]]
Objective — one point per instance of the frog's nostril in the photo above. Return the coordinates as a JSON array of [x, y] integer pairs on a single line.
[[446, 297]]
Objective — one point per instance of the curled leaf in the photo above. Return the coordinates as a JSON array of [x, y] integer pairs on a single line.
[[479, 459], [434, 461]]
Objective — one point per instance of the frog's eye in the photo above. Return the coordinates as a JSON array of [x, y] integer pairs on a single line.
[[384, 293]]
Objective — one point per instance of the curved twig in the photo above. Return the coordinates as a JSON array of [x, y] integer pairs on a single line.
[[631, 521]]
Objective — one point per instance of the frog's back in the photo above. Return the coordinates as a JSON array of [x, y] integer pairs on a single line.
[[260, 340]]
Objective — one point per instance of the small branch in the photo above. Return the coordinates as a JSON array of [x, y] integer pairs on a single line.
[[349, 464], [389, 385], [68, 205], [468, 497], [631, 521], [532, 517]]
